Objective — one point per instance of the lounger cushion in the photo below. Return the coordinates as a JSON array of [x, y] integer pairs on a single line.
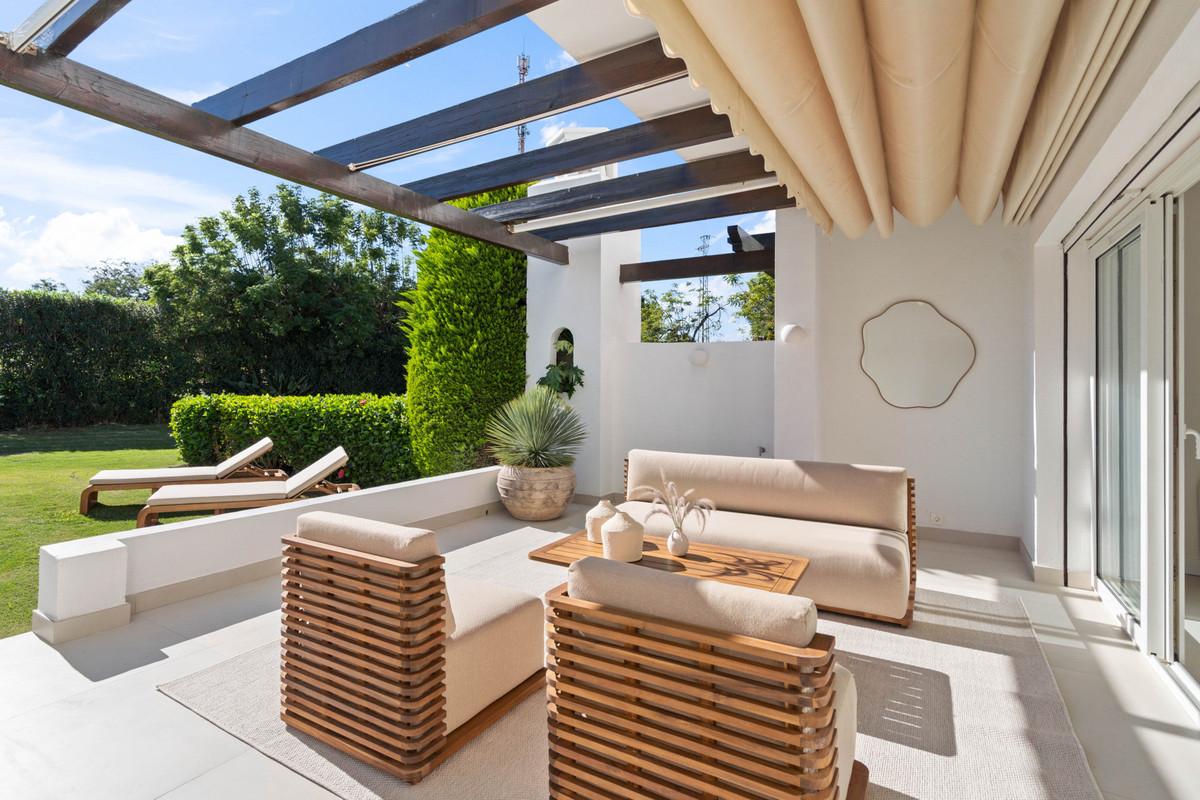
[[859, 569], [849, 494], [217, 493], [725, 607], [845, 707], [497, 643], [245, 457], [163, 475], [318, 471]]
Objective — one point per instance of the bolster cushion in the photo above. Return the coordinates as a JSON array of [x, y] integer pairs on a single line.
[[845, 494], [724, 607]]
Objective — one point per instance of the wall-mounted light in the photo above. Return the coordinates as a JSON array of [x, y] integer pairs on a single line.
[[698, 357], [790, 332]]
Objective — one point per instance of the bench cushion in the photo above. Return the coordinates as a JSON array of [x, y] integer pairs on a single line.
[[217, 493], [161, 475], [498, 642], [865, 570], [848, 494]]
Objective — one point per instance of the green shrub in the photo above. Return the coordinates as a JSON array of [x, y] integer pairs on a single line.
[[466, 332], [70, 359], [373, 429]]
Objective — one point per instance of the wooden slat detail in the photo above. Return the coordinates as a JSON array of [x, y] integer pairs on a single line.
[[66, 30], [412, 32], [611, 75], [364, 654], [74, 85], [641, 708], [675, 269], [700, 174], [682, 129], [709, 208]]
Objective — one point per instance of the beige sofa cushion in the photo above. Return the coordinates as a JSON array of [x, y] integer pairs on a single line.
[[852, 568], [374, 538], [724, 607], [845, 706], [849, 494], [218, 492], [498, 643]]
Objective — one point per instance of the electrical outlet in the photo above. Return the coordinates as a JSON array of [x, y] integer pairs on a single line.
[[935, 519]]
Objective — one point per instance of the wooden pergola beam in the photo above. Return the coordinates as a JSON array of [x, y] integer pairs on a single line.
[[682, 129], [611, 75], [741, 240], [674, 269], [413, 32], [701, 174], [708, 208], [59, 26], [71, 84]]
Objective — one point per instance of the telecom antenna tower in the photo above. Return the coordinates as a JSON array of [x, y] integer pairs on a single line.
[[522, 74]]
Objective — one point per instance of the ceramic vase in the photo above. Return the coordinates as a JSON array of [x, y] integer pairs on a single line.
[[602, 513], [677, 543], [622, 537], [536, 493]]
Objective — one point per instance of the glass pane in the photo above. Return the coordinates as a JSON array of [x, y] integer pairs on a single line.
[[1119, 377]]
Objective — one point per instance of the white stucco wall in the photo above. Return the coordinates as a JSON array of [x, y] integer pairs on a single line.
[[970, 457]]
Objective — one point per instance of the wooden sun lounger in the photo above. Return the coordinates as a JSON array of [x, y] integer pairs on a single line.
[[238, 467], [238, 495]]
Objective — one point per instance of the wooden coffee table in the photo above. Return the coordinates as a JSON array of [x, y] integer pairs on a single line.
[[772, 572]]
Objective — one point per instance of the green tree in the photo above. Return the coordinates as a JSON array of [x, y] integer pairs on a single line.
[[48, 285], [755, 302], [681, 313], [122, 279], [466, 330], [290, 293]]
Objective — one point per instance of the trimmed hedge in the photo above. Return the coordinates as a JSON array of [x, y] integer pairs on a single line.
[[373, 429], [466, 334], [69, 359]]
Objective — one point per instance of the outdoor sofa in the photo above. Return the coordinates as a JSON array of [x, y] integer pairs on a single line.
[[856, 524], [231, 496], [238, 467]]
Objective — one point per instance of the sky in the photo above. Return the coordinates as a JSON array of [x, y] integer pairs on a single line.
[[75, 190]]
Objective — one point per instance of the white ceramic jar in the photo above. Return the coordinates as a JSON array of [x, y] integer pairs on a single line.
[[602, 513], [622, 536]]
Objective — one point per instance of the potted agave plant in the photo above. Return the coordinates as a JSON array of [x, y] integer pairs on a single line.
[[535, 438], [677, 507]]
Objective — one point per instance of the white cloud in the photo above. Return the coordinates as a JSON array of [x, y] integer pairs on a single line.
[[41, 164], [763, 223], [561, 60], [549, 130], [190, 96], [69, 243]]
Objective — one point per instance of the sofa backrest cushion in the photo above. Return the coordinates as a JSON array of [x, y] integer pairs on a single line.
[[372, 537], [723, 607], [846, 494]]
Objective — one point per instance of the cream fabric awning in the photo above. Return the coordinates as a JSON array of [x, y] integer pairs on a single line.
[[862, 107]]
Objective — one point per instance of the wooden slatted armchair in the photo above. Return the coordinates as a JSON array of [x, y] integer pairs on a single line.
[[387, 659], [664, 686]]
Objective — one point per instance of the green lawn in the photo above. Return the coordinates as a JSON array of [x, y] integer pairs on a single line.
[[41, 475]]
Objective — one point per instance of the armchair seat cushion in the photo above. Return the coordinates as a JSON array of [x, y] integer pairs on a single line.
[[865, 570], [498, 642]]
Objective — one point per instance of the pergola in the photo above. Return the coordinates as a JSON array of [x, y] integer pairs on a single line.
[[35, 60]]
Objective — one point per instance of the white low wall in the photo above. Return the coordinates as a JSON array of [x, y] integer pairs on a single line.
[[86, 576]]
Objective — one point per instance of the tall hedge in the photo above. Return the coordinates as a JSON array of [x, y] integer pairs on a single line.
[[466, 332], [69, 359], [373, 429]]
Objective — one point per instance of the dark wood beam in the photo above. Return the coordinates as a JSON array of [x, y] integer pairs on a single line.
[[708, 208], [71, 84], [702, 174], [741, 240], [413, 32], [683, 129], [608, 76], [675, 269], [59, 30]]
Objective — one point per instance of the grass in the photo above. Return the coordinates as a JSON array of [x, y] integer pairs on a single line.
[[41, 476]]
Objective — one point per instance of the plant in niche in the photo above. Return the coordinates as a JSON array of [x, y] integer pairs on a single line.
[[670, 503], [536, 429], [563, 376]]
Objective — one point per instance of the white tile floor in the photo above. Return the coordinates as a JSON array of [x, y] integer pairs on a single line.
[[84, 719]]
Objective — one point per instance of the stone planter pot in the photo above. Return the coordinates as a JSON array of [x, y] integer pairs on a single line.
[[534, 494]]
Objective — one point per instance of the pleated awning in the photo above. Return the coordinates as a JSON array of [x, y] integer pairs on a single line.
[[862, 107]]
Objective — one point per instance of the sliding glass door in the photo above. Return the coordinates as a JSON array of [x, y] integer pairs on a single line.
[[1119, 323]]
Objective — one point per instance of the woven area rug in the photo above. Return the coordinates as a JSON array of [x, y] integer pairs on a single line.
[[962, 705]]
